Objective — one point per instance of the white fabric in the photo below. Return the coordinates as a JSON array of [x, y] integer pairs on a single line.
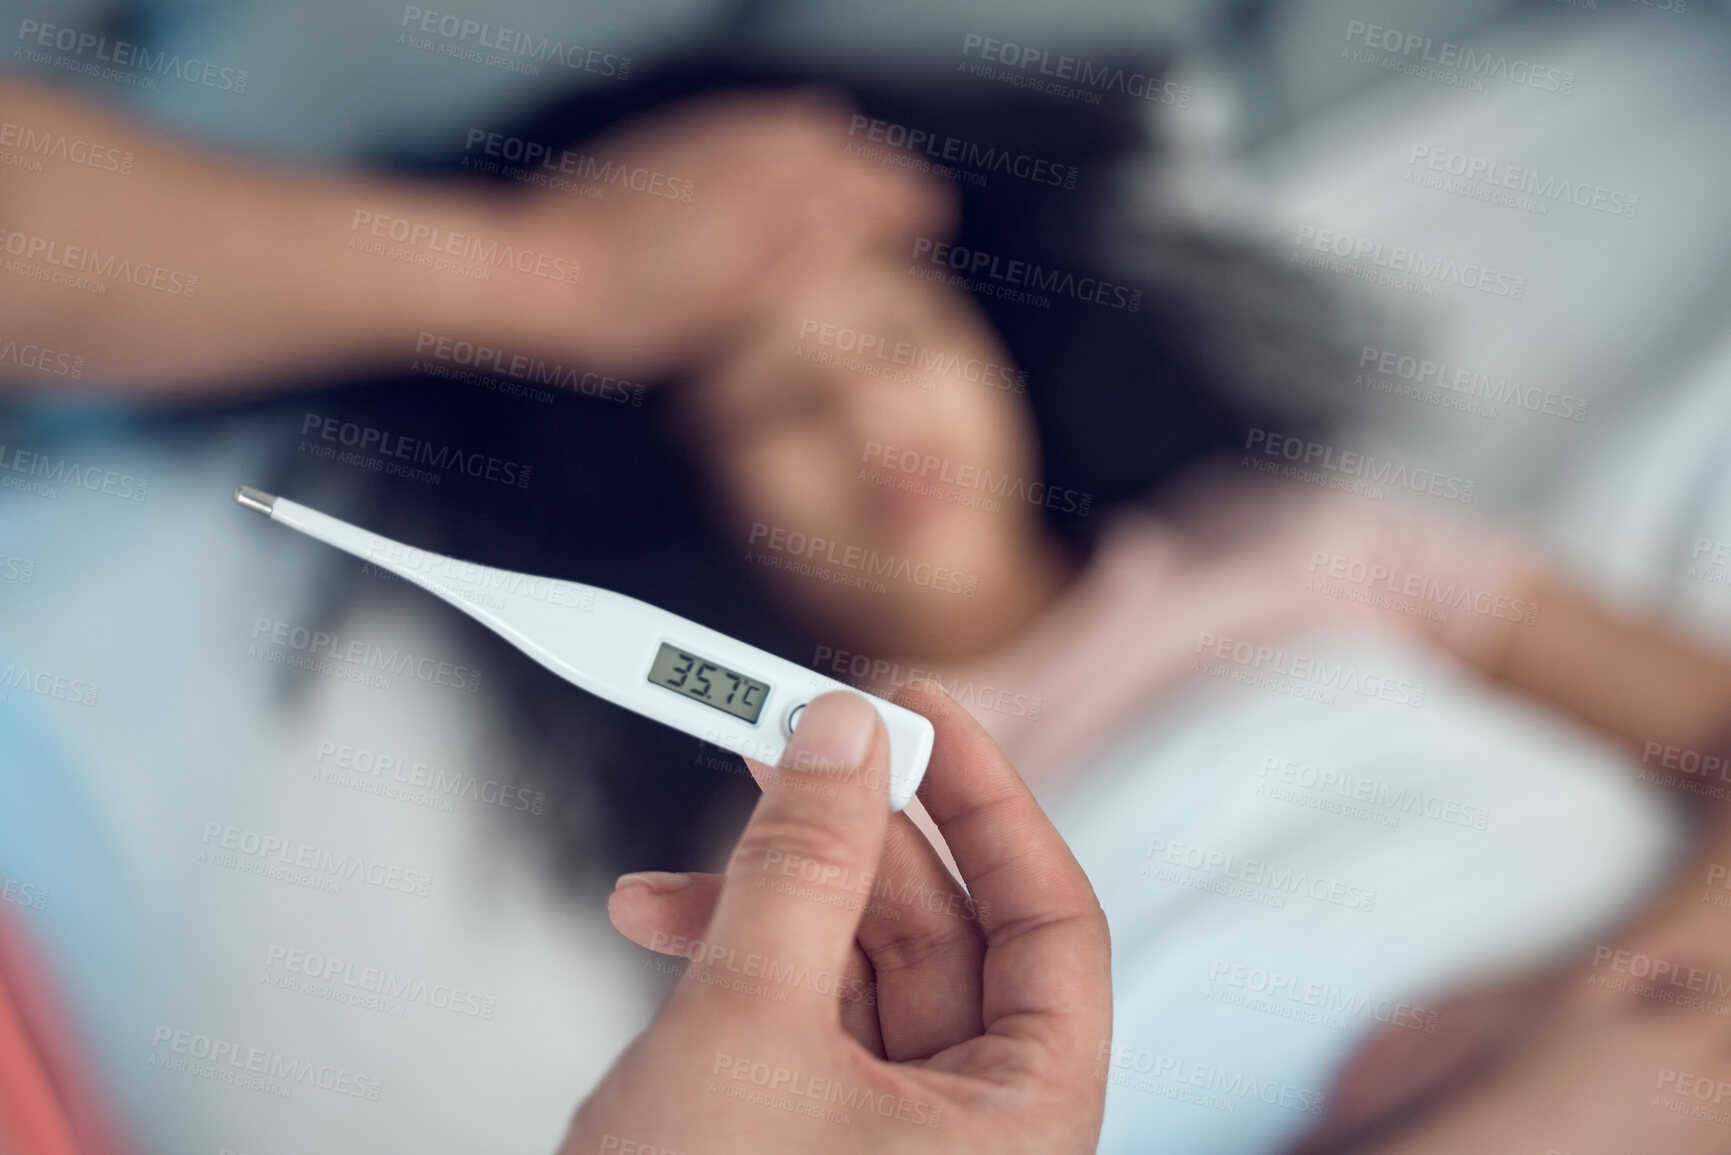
[[1570, 842]]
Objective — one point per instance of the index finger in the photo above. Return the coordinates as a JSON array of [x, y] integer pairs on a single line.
[[797, 140], [1048, 955]]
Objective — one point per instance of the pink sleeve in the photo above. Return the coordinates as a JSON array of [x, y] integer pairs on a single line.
[[1462, 584]]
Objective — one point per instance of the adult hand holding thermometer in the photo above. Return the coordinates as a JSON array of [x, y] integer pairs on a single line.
[[633, 654]]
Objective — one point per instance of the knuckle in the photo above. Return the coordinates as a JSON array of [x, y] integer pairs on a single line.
[[912, 948], [794, 835]]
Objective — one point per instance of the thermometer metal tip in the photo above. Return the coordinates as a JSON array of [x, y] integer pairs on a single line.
[[256, 499]]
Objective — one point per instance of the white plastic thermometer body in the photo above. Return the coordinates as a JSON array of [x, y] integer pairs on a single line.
[[629, 652]]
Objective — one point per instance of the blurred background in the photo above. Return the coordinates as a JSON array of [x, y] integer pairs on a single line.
[[1281, 131], [1291, 125]]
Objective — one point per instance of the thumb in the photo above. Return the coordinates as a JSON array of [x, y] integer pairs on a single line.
[[802, 872]]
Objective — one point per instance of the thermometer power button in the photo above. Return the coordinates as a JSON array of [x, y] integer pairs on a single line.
[[792, 719]]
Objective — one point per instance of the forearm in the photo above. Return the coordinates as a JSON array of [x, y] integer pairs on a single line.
[[1635, 680], [189, 273]]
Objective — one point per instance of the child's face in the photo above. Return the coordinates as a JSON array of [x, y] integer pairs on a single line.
[[875, 454]]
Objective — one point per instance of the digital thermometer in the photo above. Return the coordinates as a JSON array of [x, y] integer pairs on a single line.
[[629, 652]]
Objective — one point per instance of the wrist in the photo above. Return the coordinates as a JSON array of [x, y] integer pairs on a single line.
[[411, 264], [480, 268]]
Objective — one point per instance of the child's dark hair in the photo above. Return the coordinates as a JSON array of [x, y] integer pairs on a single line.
[[1159, 345]]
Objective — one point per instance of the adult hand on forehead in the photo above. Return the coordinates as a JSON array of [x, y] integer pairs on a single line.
[[753, 188], [909, 1017], [300, 271]]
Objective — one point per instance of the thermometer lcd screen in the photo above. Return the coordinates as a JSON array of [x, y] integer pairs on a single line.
[[713, 685]]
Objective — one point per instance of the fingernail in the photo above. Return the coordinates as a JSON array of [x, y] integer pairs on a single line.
[[658, 881], [834, 731]]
